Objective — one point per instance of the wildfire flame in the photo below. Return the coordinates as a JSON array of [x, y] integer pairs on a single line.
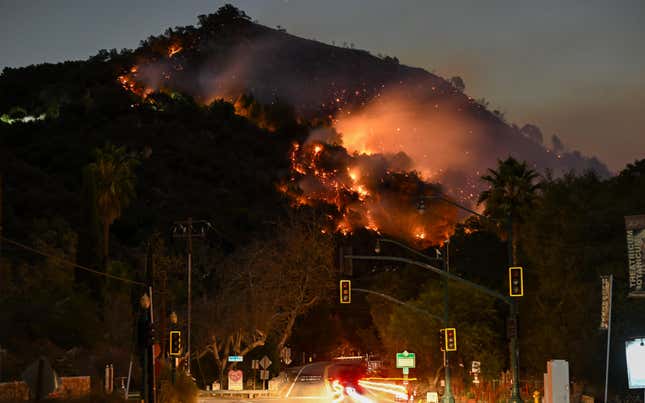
[[365, 194], [369, 183], [174, 49]]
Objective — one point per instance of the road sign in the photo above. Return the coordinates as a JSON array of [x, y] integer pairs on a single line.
[[264, 374], [405, 360], [285, 354], [265, 362], [605, 308], [235, 358], [476, 367], [432, 397], [235, 380]]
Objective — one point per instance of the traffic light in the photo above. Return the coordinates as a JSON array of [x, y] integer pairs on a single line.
[[515, 282], [451, 339], [175, 343], [345, 291], [442, 339]]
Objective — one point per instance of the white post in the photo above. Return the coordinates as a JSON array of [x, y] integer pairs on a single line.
[[611, 284]]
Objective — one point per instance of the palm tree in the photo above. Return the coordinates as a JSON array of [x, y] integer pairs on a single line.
[[114, 178], [511, 195]]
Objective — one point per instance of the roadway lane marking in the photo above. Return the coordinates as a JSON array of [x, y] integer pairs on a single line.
[[296, 380]]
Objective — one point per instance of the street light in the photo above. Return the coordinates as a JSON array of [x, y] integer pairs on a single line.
[[514, 316]]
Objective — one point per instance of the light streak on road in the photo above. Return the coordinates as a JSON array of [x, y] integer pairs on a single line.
[[337, 392], [398, 391], [351, 392]]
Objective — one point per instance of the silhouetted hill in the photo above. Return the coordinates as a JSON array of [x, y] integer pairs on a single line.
[[206, 159]]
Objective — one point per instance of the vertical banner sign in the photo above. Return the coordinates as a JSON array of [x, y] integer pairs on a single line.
[[606, 300], [635, 228]]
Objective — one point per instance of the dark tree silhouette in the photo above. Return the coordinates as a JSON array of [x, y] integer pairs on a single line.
[[512, 193]]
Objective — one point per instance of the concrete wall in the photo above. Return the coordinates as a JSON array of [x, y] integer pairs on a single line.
[[73, 387], [14, 391]]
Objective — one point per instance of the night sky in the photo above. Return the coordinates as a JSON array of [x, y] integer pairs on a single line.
[[575, 68]]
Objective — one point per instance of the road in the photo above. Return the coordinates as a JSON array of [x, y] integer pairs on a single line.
[[314, 383]]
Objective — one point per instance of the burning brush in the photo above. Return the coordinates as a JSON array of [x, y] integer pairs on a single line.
[[368, 191]]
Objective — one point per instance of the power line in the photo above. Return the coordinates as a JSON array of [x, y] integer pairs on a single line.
[[78, 266]]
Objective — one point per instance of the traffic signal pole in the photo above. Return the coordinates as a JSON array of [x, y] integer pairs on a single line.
[[190, 277], [514, 348], [446, 275], [447, 396], [514, 316]]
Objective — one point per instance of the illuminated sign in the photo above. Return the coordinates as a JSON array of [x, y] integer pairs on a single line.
[[405, 360], [635, 353]]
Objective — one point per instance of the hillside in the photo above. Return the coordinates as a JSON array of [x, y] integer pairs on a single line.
[[394, 117]]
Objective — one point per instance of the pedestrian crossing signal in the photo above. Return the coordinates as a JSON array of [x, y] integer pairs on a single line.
[[345, 291], [515, 282]]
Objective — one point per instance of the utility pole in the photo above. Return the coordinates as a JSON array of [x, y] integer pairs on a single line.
[[145, 343], [150, 274], [187, 230]]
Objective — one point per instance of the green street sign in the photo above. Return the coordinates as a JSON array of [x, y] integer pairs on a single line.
[[405, 360]]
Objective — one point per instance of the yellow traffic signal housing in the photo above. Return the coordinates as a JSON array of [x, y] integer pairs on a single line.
[[451, 339], [515, 282], [175, 343], [345, 291]]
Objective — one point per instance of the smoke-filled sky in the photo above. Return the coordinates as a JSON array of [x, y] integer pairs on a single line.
[[572, 67]]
